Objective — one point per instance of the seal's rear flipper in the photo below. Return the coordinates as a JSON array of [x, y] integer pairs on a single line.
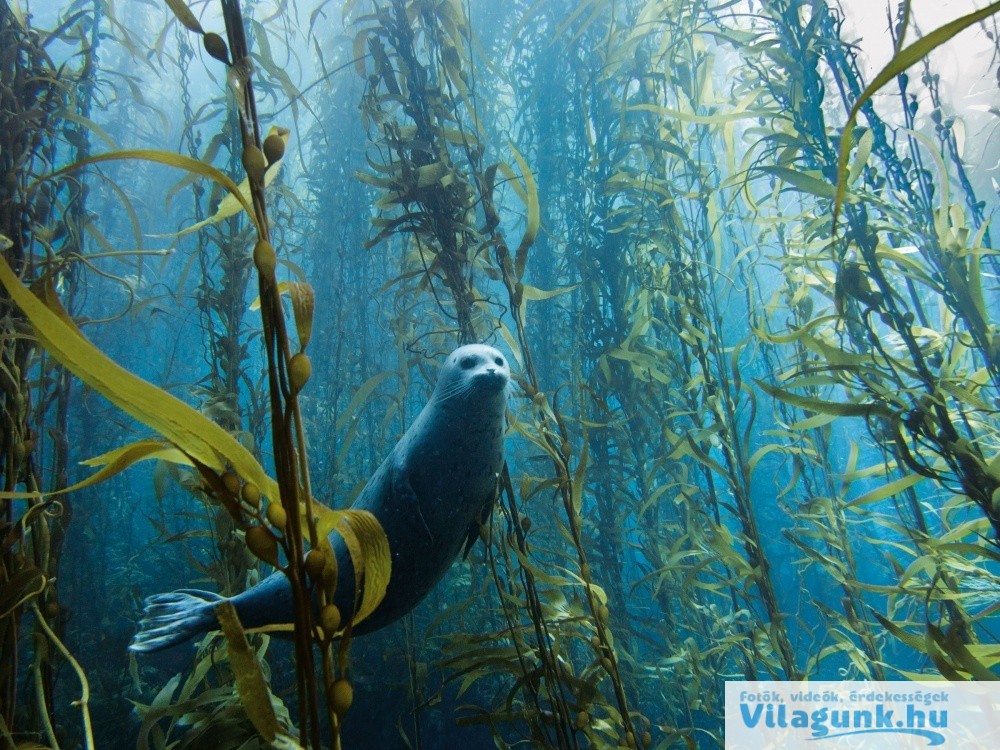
[[169, 619]]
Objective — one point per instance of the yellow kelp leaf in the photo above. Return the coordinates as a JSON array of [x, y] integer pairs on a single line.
[[987, 653], [599, 593], [171, 159], [951, 644], [940, 660], [96, 129], [865, 143], [534, 215], [811, 423], [239, 200], [913, 641], [886, 490], [837, 408], [369, 549], [805, 182], [284, 287], [208, 156], [185, 16], [528, 193], [250, 684], [115, 462], [534, 294], [189, 431], [433, 174], [303, 302], [795, 333]]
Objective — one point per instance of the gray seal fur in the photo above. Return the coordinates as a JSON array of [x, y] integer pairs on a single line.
[[430, 495]]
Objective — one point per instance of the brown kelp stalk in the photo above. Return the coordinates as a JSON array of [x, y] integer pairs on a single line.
[[922, 382], [910, 388], [433, 176], [32, 94], [286, 376]]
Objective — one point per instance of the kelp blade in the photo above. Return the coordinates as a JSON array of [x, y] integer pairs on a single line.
[[188, 430], [250, 684]]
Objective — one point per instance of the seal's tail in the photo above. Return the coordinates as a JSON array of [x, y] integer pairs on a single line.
[[169, 619]]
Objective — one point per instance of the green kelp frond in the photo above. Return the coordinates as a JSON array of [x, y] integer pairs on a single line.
[[195, 166], [198, 711], [190, 432], [250, 684]]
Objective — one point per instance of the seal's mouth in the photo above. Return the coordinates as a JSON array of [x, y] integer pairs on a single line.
[[492, 379]]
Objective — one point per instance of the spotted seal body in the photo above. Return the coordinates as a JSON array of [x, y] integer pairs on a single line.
[[429, 495]]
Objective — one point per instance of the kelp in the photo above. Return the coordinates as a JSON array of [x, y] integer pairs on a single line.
[[231, 475], [422, 106], [206, 708], [425, 160], [35, 102], [669, 381], [703, 370], [745, 443], [900, 63], [912, 370]]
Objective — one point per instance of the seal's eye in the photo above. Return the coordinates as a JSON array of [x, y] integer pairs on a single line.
[[499, 361], [467, 363]]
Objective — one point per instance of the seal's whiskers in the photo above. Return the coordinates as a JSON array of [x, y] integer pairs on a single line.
[[455, 389]]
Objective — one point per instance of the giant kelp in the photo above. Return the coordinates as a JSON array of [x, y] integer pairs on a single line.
[[422, 105], [915, 323], [35, 109], [678, 337], [230, 474]]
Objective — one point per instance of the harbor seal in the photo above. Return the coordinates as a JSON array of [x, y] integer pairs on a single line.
[[430, 495]]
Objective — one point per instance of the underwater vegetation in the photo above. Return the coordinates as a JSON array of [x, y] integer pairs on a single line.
[[739, 258]]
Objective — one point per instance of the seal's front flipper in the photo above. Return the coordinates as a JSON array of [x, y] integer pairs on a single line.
[[169, 619], [476, 528], [403, 494]]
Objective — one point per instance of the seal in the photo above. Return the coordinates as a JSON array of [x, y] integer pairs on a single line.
[[430, 494]]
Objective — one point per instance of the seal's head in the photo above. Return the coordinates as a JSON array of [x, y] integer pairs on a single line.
[[473, 369]]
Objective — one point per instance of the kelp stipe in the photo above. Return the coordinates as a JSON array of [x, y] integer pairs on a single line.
[[750, 420], [422, 103], [39, 229], [292, 513], [911, 374], [230, 474]]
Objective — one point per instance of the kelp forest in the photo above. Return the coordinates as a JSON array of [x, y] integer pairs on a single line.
[[739, 254]]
